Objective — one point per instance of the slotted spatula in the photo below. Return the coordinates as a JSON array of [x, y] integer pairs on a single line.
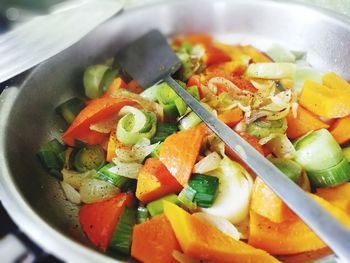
[[150, 59]]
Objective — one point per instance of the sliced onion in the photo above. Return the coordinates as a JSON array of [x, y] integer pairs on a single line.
[[75, 179], [144, 103], [94, 190], [220, 223], [71, 194], [130, 170], [137, 153], [243, 228], [105, 125], [281, 146], [207, 164]]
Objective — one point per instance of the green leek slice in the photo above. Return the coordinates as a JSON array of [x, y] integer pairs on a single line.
[[317, 151], [113, 178], [205, 187], [135, 125], [279, 53], [142, 214], [263, 128], [156, 207], [290, 168], [346, 152], [186, 197], [89, 158], [92, 80], [121, 238], [333, 176], [70, 109]]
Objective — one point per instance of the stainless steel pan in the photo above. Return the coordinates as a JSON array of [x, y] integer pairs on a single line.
[[27, 119]]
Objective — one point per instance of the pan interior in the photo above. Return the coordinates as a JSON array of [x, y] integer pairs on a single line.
[[32, 120]]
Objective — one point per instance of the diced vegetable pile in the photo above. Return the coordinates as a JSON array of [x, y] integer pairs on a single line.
[[153, 182]]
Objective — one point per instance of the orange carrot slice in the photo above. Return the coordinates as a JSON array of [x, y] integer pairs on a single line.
[[154, 241], [180, 150], [155, 181], [338, 196], [341, 130], [231, 117], [303, 123], [266, 203]]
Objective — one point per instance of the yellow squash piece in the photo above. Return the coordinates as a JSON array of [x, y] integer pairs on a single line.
[[291, 236], [338, 196], [201, 240], [333, 81], [325, 101]]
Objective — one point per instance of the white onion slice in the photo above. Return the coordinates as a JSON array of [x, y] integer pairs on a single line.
[[130, 170], [71, 194], [208, 163], [94, 190], [75, 179]]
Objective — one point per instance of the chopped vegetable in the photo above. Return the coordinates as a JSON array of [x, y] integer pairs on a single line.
[[214, 55], [263, 128], [152, 92], [166, 97], [322, 158], [51, 156], [325, 101], [142, 214], [302, 74], [114, 86], [163, 131], [200, 239], [70, 109], [267, 204], [270, 70], [93, 76], [71, 194], [114, 144], [106, 175], [231, 117], [94, 190], [98, 109], [205, 187], [281, 146], [338, 196], [280, 54], [154, 241], [335, 82], [180, 151], [346, 152], [208, 163], [155, 181], [233, 197], [135, 125], [121, 238], [89, 158], [75, 179], [340, 130], [220, 223], [303, 123], [98, 220], [186, 197], [271, 237], [290, 168], [156, 207], [189, 121]]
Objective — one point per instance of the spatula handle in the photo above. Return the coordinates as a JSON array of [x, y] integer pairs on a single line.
[[333, 233]]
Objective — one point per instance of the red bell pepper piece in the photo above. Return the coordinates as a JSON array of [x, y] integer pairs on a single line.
[[98, 220], [96, 110]]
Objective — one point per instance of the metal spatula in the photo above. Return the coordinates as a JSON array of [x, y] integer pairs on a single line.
[[149, 59]]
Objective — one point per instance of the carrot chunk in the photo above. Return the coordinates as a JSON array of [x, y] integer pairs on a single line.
[[155, 181], [154, 241], [341, 130], [180, 150], [303, 123], [231, 117]]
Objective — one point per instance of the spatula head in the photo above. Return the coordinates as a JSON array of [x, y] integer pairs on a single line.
[[148, 59]]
